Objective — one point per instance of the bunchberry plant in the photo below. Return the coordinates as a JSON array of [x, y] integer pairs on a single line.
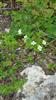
[[32, 29]]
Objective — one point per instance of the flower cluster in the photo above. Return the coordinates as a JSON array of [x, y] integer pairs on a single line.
[[33, 43]]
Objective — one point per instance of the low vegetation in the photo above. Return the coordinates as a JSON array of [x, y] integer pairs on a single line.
[[30, 38]]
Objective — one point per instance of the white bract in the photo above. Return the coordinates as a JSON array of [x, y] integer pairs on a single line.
[[44, 42], [7, 30], [19, 31], [40, 48], [33, 43]]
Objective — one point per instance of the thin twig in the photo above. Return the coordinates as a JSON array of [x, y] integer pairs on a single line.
[[9, 9]]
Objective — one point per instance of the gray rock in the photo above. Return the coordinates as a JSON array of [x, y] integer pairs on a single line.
[[38, 86], [1, 98]]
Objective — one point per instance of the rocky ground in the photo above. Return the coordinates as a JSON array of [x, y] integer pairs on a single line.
[[38, 86]]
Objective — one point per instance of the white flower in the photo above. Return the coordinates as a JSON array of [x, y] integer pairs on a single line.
[[44, 42], [0, 41], [40, 48], [19, 32], [18, 48], [33, 43], [25, 37], [7, 30]]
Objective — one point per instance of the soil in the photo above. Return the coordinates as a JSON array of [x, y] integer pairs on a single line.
[[4, 22]]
